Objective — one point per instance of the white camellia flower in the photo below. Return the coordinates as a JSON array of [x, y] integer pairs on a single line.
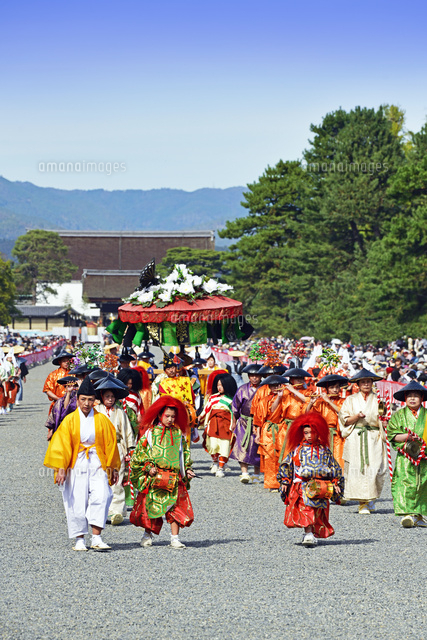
[[210, 286], [197, 281], [165, 297], [224, 287], [145, 296], [172, 277], [183, 268], [186, 287]]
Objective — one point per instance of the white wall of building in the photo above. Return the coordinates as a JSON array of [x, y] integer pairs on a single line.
[[70, 293]]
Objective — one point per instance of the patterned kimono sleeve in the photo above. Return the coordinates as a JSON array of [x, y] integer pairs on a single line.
[[140, 465], [285, 476]]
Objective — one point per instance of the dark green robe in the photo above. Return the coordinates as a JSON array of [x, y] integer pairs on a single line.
[[409, 483]]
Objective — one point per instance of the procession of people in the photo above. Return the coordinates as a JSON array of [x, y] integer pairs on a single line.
[[312, 430]]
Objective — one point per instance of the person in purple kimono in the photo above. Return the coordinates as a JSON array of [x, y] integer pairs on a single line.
[[68, 403], [245, 449]]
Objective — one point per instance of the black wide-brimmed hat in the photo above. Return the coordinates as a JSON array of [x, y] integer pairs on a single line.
[[266, 370], [145, 354], [332, 378], [280, 369], [81, 370], [412, 386], [67, 380], [109, 376], [198, 362], [111, 384], [62, 354], [364, 374], [252, 369], [97, 374], [298, 373], [274, 379]]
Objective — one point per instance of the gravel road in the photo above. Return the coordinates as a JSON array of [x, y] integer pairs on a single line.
[[243, 576]]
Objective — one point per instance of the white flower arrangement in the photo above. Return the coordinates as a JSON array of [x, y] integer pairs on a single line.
[[180, 284]]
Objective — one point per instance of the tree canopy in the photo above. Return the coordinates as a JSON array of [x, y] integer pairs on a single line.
[[42, 263], [334, 245], [7, 291], [201, 261]]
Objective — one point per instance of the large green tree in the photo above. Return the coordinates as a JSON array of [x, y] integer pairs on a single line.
[[7, 291], [200, 261], [311, 225], [41, 263], [267, 237]]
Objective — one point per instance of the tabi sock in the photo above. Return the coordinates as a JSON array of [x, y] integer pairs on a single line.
[[96, 538]]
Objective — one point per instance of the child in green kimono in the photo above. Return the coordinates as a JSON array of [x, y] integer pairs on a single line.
[[161, 470]]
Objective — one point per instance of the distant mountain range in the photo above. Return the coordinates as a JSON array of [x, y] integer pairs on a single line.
[[24, 205]]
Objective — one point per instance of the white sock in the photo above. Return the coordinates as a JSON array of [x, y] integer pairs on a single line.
[[174, 537], [96, 538]]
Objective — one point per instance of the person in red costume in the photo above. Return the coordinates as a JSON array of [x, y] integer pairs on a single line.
[[309, 478]]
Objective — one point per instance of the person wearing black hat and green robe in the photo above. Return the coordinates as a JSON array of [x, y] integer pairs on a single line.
[[407, 432], [83, 451], [365, 455]]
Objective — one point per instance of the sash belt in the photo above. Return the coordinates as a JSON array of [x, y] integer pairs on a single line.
[[364, 452], [274, 428], [248, 433], [86, 449]]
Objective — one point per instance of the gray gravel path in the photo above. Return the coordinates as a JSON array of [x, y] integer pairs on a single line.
[[243, 575]]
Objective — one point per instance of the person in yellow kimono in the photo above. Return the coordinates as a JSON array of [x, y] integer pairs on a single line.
[[83, 451], [176, 383]]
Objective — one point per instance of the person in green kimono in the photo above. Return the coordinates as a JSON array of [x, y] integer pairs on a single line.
[[407, 432], [161, 471]]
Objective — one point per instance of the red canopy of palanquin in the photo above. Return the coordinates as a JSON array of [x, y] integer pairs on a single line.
[[209, 309]]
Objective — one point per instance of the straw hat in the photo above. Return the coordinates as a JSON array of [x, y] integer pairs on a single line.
[[109, 347], [18, 349]]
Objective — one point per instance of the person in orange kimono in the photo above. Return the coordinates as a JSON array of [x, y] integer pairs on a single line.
[[51, 387], [269, 421], [145, 392], [329, 404], [294, 400], [299, 380]]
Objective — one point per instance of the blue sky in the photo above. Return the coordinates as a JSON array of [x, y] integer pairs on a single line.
[[187, 94]]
